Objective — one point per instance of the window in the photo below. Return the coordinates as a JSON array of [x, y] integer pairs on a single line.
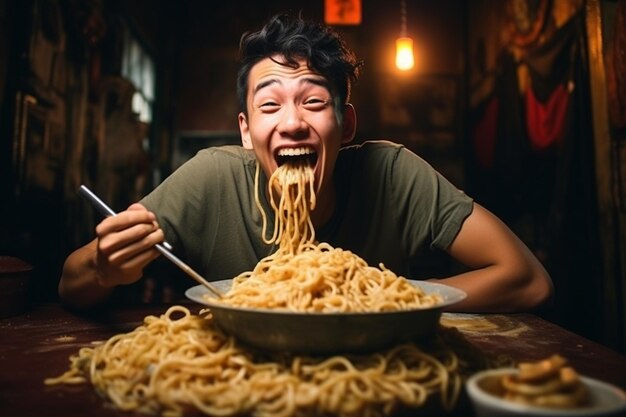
[[138, 67]]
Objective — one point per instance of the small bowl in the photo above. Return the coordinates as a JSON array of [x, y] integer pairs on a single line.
[[605, 399]]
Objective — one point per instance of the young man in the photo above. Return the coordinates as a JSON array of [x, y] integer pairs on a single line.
[[376, 199]]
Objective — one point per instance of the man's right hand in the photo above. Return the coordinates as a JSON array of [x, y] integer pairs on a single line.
[[125, 245]]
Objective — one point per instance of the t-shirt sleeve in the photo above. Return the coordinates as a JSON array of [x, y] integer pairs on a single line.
[[429, 206], [181, 205]]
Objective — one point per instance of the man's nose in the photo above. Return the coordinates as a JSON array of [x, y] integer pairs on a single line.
[[292, 121]]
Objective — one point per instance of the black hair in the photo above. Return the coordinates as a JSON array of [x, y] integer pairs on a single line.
[[296, 39]]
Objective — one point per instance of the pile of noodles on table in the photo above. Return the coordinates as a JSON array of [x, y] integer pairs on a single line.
[[181, 363]]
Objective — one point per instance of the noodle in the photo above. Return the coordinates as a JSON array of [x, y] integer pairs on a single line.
[[308, 277], [293, 227], [179, 363]]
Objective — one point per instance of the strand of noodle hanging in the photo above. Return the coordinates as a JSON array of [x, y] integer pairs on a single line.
[[293, 228]]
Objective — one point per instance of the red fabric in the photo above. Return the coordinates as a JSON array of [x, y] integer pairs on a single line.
[[546, 121], [485, 131]]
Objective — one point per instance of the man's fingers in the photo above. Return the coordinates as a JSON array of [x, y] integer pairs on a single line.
[[137, 207], [124, 244], [126, 265], [124, 220]]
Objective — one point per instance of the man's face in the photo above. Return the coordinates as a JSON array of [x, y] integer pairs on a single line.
[[291, 114]]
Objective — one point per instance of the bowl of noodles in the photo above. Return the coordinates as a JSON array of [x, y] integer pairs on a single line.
[[323, 333], [548, 388], [309, 297]]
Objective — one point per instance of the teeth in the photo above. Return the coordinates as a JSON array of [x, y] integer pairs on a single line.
[[295, 151]]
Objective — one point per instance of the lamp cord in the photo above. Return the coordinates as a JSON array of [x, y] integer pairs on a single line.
[[403, 18]]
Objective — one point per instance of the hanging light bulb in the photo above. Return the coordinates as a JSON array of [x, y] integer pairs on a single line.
[[404, 44], [404, 53]]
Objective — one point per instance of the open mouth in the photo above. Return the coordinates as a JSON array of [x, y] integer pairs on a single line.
[[304, 155]]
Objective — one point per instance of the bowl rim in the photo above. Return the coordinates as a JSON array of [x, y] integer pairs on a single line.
[[326, 333], [450, 296], [479, 395]]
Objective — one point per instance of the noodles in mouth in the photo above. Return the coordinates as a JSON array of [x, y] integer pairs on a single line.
[[306, 276]]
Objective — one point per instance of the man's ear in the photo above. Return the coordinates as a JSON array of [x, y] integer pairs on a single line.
[[244, 130], [349, 123]]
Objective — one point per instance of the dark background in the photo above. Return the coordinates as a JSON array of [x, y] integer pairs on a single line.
[[67, 118]]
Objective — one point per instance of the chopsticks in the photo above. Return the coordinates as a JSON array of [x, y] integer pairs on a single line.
[[164, 248]]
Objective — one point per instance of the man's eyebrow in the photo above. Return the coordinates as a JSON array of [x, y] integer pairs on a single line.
[[322, 82], [264, 84]]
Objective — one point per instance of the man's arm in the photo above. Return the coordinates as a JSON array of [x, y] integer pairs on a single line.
[[505, 275], [124, 246]]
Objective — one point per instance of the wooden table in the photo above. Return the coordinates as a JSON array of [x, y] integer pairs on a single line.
[[37, 345]]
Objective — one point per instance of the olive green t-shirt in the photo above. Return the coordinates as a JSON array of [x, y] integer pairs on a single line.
[[392, 207]]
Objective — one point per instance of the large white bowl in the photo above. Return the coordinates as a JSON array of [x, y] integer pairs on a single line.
[[606, 399]]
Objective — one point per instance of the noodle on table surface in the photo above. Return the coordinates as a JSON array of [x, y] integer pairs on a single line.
[[180, 363]]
